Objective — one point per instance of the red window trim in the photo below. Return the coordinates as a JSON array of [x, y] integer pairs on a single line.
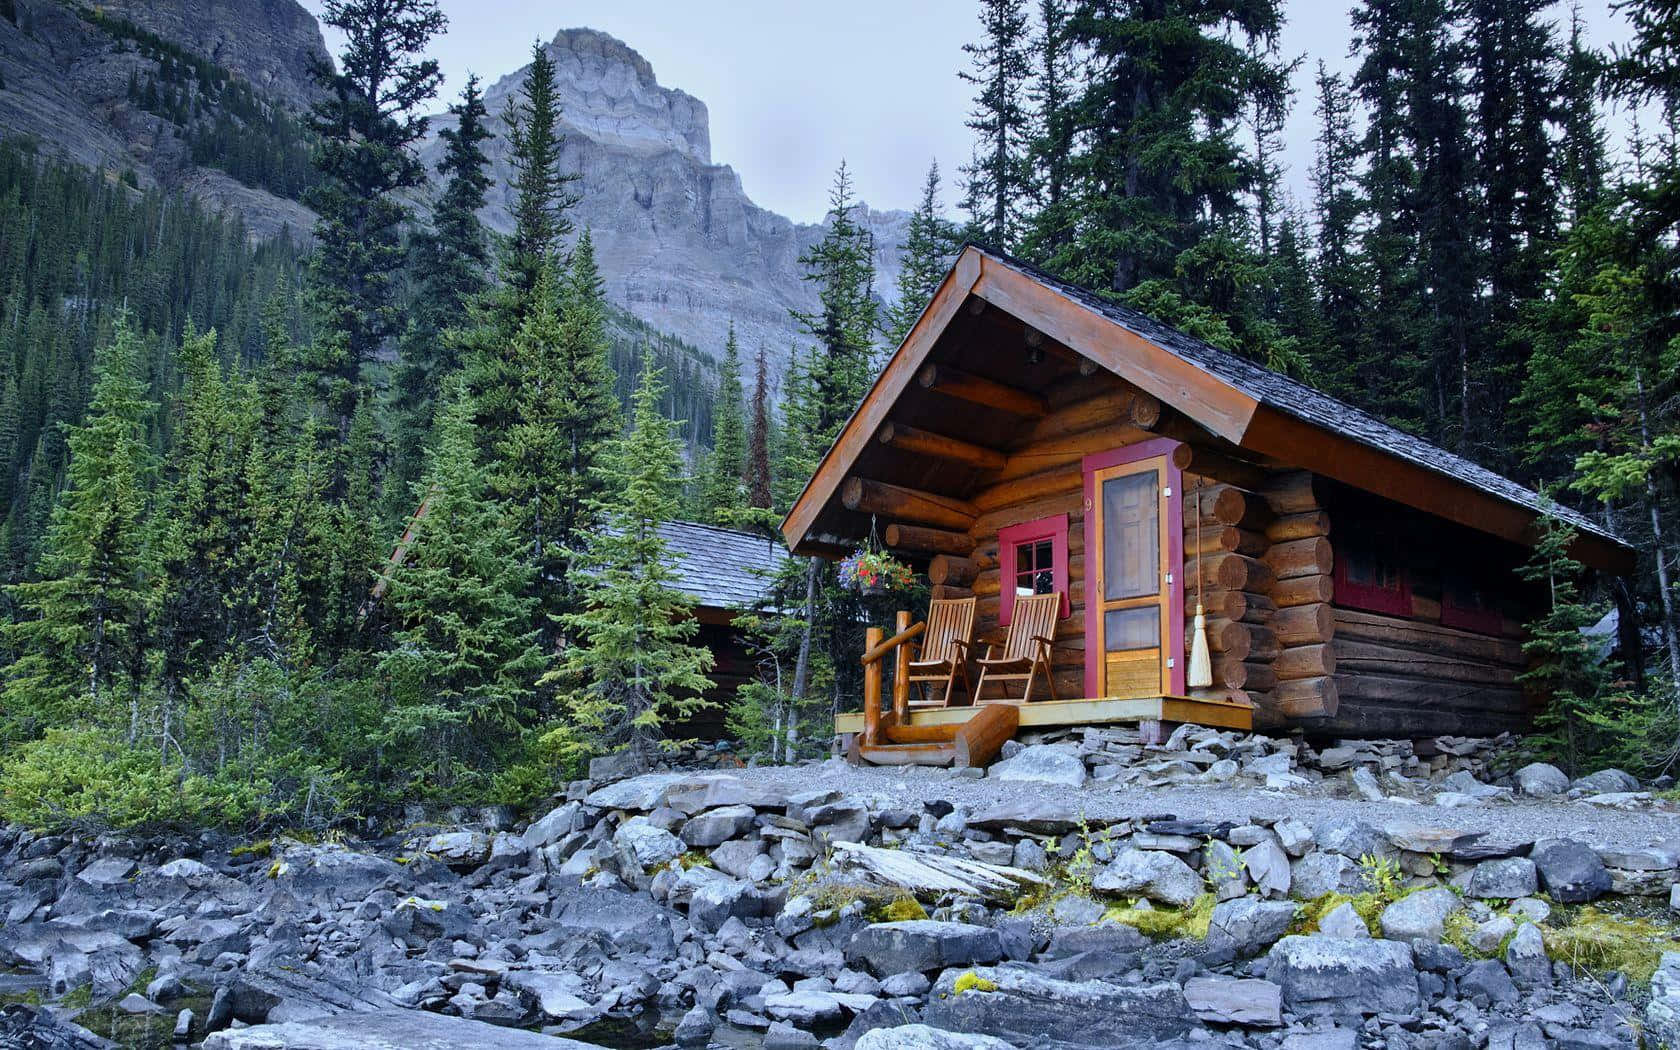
[[1397, 601], [1054, 529], [1174, 647], [1477, 618]]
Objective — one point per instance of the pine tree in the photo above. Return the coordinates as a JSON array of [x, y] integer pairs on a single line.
[[929, 243], [1338, 269], [995, 184], [464, 657], [78, 639], [842, 268], [543, 193], [1051, 146], [1581, 153], [634, 669], [449, 264], [758, 442], [722, 496], [367, 124]]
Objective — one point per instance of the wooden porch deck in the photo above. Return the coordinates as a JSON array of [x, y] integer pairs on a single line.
[[1090, 711]]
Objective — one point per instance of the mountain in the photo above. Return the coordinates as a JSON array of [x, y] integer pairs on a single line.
[[681, 245], [204, 96]]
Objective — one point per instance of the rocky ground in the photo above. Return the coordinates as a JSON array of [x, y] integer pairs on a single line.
[[1219, 890]]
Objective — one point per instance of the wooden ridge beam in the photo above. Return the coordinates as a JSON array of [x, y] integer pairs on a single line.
[[896, 501], [926, 443], [978, 390]]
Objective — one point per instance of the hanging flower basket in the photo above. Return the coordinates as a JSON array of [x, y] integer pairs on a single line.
[[874, 572]]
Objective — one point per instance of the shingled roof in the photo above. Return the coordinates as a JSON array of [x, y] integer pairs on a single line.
[[721, 568], [1303, 402]]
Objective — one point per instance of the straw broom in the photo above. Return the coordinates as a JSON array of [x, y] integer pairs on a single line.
[[1200, 674]]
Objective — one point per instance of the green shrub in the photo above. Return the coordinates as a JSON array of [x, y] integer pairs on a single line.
[[73, 776]]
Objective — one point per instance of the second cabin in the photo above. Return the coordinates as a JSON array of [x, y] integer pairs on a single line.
[[1030, 438]]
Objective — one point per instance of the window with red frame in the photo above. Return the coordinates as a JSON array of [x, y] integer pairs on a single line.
[[1032, 559], [1370, 577], [1467, 607]]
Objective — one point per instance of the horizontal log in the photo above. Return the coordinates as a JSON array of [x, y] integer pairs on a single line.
[[1220, 467], [1429, 697], [1357, 657], [1301, 590], [1312, 624], [1292, 558], [1306, 698], [978, 390], [1231, 638], [945, 592], [918, 538], [988, 582], [1217, 539], [1299, 526], [1261, 678], [924, 508], [948, 569], [1230, 672], [1356, 625], [1231, 572], [1058, 480], [1294, 492], [1305, 661], [919, 442], [1228, 505], [1069, 503], [1232, 605], [1033, 456]]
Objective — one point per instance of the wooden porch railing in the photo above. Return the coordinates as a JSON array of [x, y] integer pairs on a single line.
[[875, 650]]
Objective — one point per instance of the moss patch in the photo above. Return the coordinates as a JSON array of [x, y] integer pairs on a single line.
[[259, 848], [879, 904], [1190, 921], [1592, 939], [972, 982]]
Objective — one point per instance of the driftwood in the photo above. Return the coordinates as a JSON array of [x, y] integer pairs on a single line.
[[930, 874]]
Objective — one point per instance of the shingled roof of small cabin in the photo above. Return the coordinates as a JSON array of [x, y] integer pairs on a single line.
[[1247, 404], [721, 568]]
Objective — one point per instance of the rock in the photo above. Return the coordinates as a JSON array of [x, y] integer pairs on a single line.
[[1419, 838], [922, 945], [555, 994], [647, 844], [1662, 1016], [1224, 870], [1541, 780], [386, 1030], [1488, 936], [1488, 978], [135, 1003], [1365, 783], [722, 899], [1158, 876], [106, 871], [695, 1029], [1268, 868], [555, 825], [1335, 976], [185, 868], [1526, 957], [1039, 816], [1420, 916], [805, 1008], [641, 794], [1317, 874], [1042, 763], [1570, 872], [1343, 921], [1606, 781], [26, 1027], [460, 848], [1505, 879], [921, 1037], [735, 858], [717, 826], [1228, 1000], [417, 921], [780, 1036], [1110, 938], [1030, 1009], [1248, 926], [1322, 1039], [629, 922], [1352, 839]]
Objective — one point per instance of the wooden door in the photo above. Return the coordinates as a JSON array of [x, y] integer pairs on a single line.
[[1132, 592]]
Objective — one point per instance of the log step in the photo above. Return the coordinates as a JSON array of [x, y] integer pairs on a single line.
[[907, 754]]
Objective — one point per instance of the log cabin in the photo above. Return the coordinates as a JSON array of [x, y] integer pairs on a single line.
[[1031, 437]]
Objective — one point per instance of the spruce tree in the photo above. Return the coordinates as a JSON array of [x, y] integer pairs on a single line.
[[995, 183], [1337, 263], [758, 442], [464, 657], [78, 637], [722, 495], [929, 243], [1052, 93], [367, 124], [543, 193], [634, 669]]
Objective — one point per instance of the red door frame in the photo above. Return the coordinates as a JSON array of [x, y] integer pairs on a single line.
[[1174, 649]]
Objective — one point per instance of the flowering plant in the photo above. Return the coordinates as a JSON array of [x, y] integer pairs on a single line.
[[873, 572]]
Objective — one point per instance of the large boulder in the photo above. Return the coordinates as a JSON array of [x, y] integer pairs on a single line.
[[1317, 874], [1420, 917], [1026, 813], [418, 921], [628, 922], [1153, 874], [460, 849], [1570, 872], [646, 844], [921, 1037], [717, 826], [1044, 764], [1662, 1016], [1605, 782], [1505, 879], [1235, 1001], [331, 872], [554, 826], [720, 899], [386, 1030], [1336, 976], [28, 1027], [1248, 926], [1541, 780], [1030, 1009], [922, 945], [698, 794]]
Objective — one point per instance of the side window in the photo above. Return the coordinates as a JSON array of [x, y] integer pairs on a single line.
[[1033, 559], [1467, 607], [1369, 576]]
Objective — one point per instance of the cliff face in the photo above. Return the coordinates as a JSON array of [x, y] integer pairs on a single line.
[[680, 243], [67, 78]]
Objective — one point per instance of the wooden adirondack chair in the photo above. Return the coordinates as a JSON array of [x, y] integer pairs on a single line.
[[1025, 652], [942, 656]]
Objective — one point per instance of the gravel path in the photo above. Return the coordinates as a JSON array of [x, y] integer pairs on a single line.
[[1502, 821]]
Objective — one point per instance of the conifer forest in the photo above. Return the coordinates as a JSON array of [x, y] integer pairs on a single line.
[[211, 443]]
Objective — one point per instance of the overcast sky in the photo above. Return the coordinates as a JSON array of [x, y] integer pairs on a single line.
[[793, 86]]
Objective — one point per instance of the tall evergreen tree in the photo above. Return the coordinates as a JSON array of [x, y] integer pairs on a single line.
[[758, 441], [722, 496], [543, 193], [1581, 162], [995, 184], [929, 243], [1051, 93], [464, 656], [1338, 269], [367, 125], [634, 670], [78, 637]]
